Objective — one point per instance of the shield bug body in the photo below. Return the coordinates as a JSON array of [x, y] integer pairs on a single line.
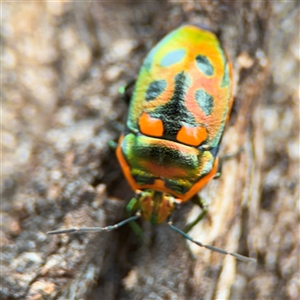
[[179, 107], [178, 111]]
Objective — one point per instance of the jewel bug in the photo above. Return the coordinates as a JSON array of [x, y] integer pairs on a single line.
[[179, 107]]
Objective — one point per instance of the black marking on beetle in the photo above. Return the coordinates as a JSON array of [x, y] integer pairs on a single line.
[[214, 151], [141, 180], [154, 89], [205, 101], [174, 186], [204, 65], [174, 113]]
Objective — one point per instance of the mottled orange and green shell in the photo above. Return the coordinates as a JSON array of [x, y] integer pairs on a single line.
[[179, 107]]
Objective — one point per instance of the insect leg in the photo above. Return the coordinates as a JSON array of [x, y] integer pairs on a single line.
[[204, 209], [224, 158], [131, 207]]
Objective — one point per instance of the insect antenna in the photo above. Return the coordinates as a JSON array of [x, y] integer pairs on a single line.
[[212, 248], [97, 229]]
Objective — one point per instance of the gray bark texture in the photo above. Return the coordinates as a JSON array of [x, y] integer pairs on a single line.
[[62, 66]]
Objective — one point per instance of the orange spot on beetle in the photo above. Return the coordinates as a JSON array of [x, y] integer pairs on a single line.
[[151, 126], [192, 136]]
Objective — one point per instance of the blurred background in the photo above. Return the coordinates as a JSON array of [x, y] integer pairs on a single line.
[[62, 64]]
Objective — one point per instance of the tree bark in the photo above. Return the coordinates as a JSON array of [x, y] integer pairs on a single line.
[[63, 64]]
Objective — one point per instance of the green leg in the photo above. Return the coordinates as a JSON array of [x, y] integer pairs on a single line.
[[203, 205], [133, 207], [224, 158], [126, 91], [112, 144]]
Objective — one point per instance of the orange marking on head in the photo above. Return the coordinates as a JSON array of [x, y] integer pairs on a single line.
[[151, 126], [192, 136]]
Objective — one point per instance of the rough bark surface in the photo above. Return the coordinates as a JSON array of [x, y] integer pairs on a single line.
[[62, 65]]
